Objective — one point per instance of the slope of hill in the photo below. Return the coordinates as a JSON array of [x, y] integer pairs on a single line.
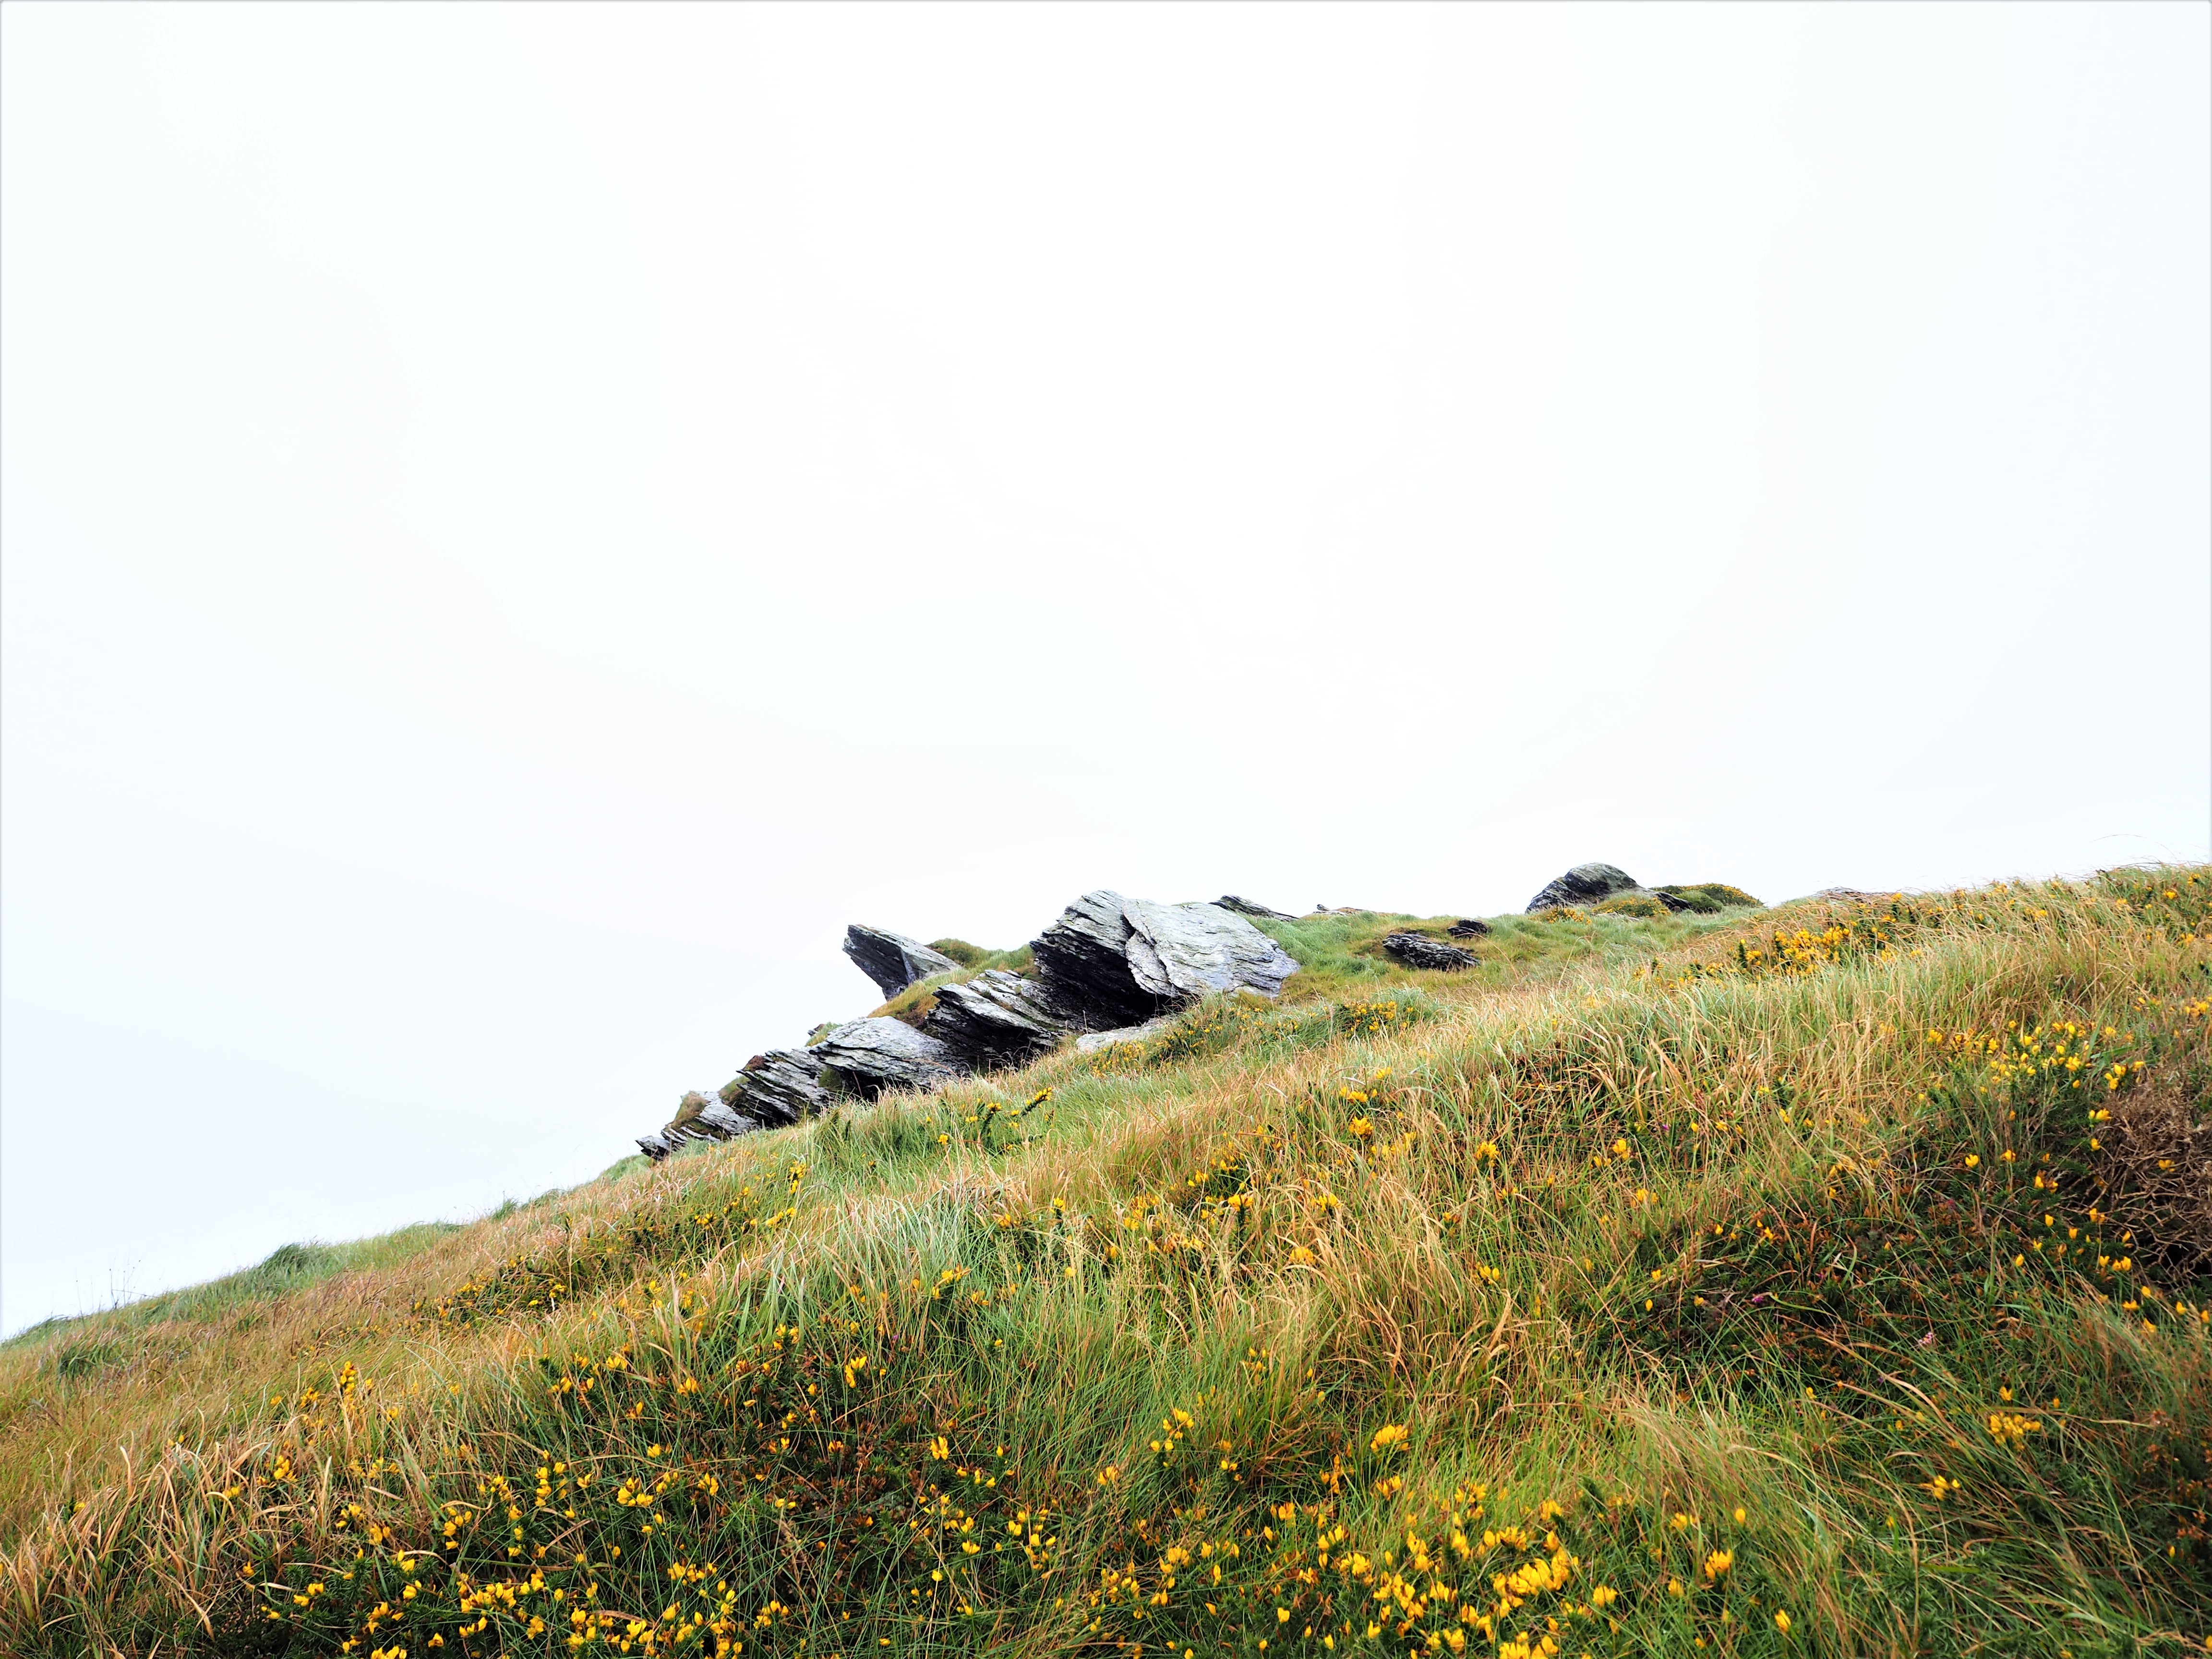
[[1819, 1280]]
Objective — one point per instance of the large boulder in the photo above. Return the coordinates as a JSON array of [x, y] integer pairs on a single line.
[[868, 1056], [996, 1018], [1586, 883], [1084, 960], [1110, 962], [1187, 951], [892, 960]]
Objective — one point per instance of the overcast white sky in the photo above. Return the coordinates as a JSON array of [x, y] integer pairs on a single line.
[[521, 522]]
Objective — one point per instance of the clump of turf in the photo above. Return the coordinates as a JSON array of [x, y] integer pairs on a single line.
[[1631, 904], [1711, 897]]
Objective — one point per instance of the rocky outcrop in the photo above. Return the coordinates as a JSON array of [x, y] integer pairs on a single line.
[[1420, 951], [1245, 907], [698, 1117], [1586, 883], [868, 1056], [781, 1086], [1605, 887], [1111, 962], [996, 1018], [1108, 965], [892, 960], [776, 1088], [1469, 927]]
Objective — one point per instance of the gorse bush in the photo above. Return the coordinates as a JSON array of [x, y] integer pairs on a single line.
[[1827, 1280]]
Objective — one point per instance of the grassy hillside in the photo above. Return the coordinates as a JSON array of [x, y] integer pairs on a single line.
[[1823, 1280]]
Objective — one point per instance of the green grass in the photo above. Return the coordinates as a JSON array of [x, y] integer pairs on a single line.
[[1341, 955], [288, 1268], [1659, 1282]]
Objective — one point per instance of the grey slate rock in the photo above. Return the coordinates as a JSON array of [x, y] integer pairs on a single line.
[[1110, 962], [892, 960], [1091, 1042], [996, 1018], [698, 1117], [776, 1088], [781, 1086], [1418, 951], [1245, 907], [1084, 960], [1469, 927], [1187, 951], [1586, 883], [871, 1055], [722, 1123]]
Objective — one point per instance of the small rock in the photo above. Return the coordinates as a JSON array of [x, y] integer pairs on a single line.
[[871, 1055], [996, 1018], [892, 960], [1585, 884], [1092, 1041], [1469, 927], [1245, 907], [1418, 951]]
